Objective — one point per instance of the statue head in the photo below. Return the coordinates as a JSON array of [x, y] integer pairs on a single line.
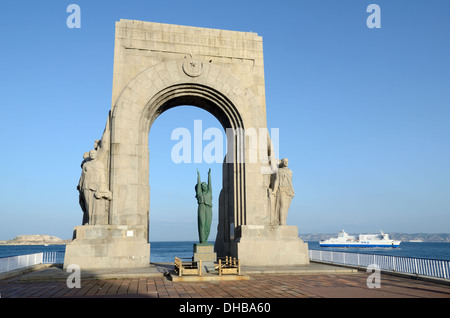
[[284, 162], [204, 187], [93, 154]]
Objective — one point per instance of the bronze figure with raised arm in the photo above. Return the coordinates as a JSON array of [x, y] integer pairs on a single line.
[[204, 200]]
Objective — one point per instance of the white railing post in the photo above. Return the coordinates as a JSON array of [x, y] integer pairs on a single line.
[[443, 270], [415, 266], [444, 273]]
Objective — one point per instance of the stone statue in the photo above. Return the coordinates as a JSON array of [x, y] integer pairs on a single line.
[[93, 191], [204, 200], [81, 200], [283, 191]]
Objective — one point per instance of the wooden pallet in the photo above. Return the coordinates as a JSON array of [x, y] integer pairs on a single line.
[[229, 266], [188, 267]]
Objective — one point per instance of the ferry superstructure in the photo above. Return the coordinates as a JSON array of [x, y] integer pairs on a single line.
[[363, 240]]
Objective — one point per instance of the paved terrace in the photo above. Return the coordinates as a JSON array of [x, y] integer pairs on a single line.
[[312, 281]]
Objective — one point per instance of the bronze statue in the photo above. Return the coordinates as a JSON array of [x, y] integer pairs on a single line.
[[204, 212]]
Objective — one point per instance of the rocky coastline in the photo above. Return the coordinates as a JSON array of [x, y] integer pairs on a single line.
[[36, 239]]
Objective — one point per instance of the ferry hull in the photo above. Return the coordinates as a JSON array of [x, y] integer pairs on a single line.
[[364, 240], [357, 245]]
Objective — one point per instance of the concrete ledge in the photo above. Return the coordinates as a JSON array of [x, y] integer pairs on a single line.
[[53, 273], [21, 271], [309, 269], [208, 277]]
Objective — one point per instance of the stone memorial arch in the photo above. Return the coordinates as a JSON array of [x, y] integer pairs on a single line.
[[158, 67]]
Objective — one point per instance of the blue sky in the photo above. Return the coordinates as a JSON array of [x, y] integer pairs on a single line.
[[363, 113]]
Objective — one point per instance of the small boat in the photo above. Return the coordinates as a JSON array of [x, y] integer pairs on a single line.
[[363, 240]]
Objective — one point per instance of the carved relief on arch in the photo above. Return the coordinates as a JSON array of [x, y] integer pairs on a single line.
[[192, 67]]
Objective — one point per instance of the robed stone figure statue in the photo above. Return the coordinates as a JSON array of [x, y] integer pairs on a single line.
[[204, 200], [93, 190], [283, 191]]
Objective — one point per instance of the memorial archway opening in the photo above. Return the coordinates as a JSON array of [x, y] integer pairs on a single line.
[[172, 173], [174, 98]]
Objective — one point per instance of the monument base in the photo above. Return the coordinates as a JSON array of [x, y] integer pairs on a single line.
[[261, 245], [205, 253], [108, 246]]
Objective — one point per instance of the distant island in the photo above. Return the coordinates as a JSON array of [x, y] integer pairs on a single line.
[[36, 239], [404, 237]]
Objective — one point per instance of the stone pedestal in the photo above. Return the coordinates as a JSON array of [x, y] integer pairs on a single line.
[[108, 246], [261, 245], [205, 253]]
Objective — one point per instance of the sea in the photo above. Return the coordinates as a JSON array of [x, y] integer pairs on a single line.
[[166, 251]]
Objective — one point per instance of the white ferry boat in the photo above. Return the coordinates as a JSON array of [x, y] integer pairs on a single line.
[[363, 240]]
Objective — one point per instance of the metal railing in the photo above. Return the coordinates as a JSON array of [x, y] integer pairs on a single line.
[[8, 264], [53, 257], [407, 265]]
